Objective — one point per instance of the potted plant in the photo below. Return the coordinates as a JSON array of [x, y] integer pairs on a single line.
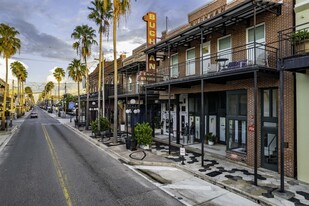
[[300, 39], [104, 125], [211, 138], [143, 134]]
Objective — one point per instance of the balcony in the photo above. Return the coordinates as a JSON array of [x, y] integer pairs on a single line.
[[131, 89], [294, 48], [223, 62]]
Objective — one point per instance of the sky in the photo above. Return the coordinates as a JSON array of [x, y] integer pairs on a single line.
[[45, 28]]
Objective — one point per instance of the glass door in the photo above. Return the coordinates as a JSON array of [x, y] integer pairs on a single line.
[[174, 66], [190, 65], [269, 144], [205, 57], [270, 148], [260, 48]]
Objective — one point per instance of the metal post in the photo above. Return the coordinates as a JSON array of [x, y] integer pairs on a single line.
[[255, 127], [281, 130], [255, 100], [202, 126], [146, 106], [169, 119], [202, 122]]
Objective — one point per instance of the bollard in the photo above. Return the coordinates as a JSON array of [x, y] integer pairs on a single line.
[[182, 154]]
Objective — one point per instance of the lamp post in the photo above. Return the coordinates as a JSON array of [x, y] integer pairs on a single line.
[[93, 109], [132, 108]]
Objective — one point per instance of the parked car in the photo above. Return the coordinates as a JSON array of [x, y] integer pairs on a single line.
[[34, 115]]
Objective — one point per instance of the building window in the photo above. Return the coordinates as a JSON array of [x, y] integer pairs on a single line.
[[190, 66], [174, 66], [237, 121], [260, 44], [224, 48], [130, 84]]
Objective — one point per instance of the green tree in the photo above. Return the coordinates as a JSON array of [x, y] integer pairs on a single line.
[[9, 45], [120, 8], [17, 68], [59, 74], [85, 39], [101, 17], [77, 71]]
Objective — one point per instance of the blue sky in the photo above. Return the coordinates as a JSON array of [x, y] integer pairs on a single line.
[[46, 26]]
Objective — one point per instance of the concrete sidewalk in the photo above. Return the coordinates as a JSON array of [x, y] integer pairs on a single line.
[[233, 176], [5, 136]]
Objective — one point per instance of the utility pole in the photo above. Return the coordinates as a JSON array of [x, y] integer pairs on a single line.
[[64, 99]]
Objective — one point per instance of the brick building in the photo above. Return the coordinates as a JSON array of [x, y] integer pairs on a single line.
[[218, 75]]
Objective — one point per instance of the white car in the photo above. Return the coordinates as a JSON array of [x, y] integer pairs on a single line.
[[34, 115]]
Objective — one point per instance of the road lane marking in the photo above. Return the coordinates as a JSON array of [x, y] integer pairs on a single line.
[[56, 162]]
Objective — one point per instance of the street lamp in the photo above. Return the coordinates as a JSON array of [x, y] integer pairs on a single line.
[[132, 108]]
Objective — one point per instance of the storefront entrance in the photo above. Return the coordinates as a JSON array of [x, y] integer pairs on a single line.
[[269, 144]]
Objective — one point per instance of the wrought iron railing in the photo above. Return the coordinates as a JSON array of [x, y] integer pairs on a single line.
[[242, 57], [294, 41]]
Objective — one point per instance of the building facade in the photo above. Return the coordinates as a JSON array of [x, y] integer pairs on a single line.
[[295, 60], [219, 75]]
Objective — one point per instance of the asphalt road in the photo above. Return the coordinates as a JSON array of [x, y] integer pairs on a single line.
[[45, 163]]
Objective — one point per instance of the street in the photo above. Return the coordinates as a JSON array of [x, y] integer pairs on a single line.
[[45, 163]]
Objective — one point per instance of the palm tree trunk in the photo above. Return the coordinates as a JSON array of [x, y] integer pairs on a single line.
[[87, 91], [5, 92], [100, 78], [115, 81]]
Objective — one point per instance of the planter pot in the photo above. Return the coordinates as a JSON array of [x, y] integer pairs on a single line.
[[302, 46], [146, 147], [210, 142]]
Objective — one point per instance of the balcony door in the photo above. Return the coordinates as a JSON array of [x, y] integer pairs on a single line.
[[174, 66], [205, 57], [260, 48], [224, 48], [190, 61]]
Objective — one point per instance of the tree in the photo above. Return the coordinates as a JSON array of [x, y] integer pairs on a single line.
[[85, 36], [120, 8], [17, 68], [9, 45], [100, 16], [77, 71], [59, 74]]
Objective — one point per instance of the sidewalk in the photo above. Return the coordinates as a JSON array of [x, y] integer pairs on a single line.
[[228, 174], [5, 136]]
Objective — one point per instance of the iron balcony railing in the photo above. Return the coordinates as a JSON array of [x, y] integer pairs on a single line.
[[242, 57], [131, 88], [294, 41]]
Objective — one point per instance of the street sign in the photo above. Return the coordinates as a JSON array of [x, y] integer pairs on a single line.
[[182, 151]]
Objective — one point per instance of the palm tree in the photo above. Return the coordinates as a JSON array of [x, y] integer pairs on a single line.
[[9, 45], [85, 36], [100, 16], [120, 8], [48, 88], [59, 74], [77, 71], [30, 98], [23, 77], [16, 68]]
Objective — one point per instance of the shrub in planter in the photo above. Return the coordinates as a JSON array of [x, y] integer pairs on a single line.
[[104, 125], [211, 138], [143, 133]]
